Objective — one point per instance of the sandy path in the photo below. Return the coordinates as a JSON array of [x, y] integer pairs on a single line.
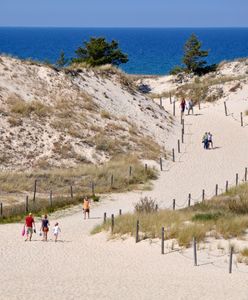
[[88, 267]]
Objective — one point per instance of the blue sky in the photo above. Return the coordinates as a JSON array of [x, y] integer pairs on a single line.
[[124, 13]]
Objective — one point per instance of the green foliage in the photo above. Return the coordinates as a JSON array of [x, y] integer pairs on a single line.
[[99, 52], [62, 61], [95, 198], [176, 70], [146, 205], [193, 55]]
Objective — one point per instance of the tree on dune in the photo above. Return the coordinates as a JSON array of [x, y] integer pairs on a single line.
[[98, 51], [194, 56], [194, 59], [62, 61]]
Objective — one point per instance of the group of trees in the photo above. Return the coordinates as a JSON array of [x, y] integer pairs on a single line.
[[97, 51]]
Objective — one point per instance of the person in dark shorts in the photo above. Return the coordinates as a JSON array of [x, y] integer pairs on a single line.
[[30, 226], [44, 227], [86, 207], [182, 105]]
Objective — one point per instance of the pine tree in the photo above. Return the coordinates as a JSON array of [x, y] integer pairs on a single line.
[[62, 61], [193, 55], [98, 52]]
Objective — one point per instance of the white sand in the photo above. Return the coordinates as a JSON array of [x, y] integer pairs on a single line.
[[89, 267]]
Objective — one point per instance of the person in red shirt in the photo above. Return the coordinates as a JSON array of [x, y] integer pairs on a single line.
[[30, 225]]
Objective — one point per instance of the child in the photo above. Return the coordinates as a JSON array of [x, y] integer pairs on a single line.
[[56, 231]]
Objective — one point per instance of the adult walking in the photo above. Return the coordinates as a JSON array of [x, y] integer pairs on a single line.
[[210, 140], [86, 207], [190, 107], [30, 227], [45, 227], [182, 105], [205, 141]]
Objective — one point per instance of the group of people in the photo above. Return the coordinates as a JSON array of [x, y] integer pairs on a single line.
[[30, 227], [187, 105], [207, 140]]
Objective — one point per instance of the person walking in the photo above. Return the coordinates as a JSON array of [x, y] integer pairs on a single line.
[[205, 140], [30, 227], [182, 105], [56, 231], [44, 227], [210, 140], [86, 207], [190, 107]]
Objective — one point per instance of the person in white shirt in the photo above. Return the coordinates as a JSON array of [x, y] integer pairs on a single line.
[[210, 139], [190, 106], [56, 231]]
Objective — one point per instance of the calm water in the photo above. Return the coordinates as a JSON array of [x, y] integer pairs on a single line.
[[151, 51]]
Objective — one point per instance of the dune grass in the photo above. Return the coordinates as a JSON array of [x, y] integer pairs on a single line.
[[225, 217], [113, 176], [61, 179]]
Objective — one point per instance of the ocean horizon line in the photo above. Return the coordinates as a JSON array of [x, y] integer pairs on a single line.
[[124, 27]]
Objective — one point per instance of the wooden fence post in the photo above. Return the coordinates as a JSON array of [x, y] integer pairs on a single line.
[[230, 260], [130, 171], [237, 179], [225, 108], [174, 204], [104, 218], [173, 155], [178, 146], [120, 212], [161, 164], [216, 190], [199, 104], [93, 188], [226, 186], [162, 241], [170, 99], [137, 232], [245, 174], [182, 137], [174, 108], [51, 198], [189, 201], [112, 181], [161, 103], [183, 126], [71, 192], [1, 209], [112, 223], [35, 188], [241, 119], [26, 206], [145, 167], [203, 195], [195, 251]]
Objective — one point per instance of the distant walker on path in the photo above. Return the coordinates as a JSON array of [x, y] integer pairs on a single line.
[[86, 207], [45, 227], [30, 226]]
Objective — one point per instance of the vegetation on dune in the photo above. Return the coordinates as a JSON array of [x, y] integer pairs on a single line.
[[194, 58], [225, 216], [98, 51], [80, 178]]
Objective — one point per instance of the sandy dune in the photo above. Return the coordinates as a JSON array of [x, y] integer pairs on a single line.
[[88, 267]]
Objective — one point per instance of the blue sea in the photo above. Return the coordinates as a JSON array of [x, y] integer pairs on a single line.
[[150, 51]]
